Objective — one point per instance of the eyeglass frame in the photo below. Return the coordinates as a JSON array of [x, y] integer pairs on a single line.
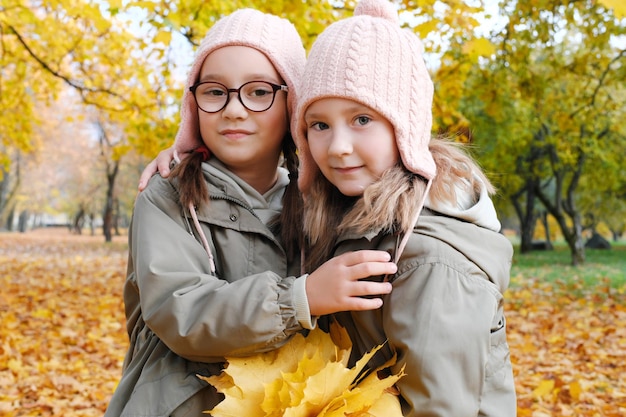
[[275, 88]]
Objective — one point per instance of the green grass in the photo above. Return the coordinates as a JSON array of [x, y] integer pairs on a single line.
[[602, 268]]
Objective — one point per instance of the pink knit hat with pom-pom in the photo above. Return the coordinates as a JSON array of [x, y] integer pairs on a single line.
[[368, 58], [274, 36]]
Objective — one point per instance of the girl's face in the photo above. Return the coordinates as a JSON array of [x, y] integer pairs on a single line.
[[350, 143], [247, 143]]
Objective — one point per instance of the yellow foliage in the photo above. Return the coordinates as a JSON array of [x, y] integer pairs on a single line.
[[423, 29], [479, 47], [164, 37], [618, 6], [306, 377]]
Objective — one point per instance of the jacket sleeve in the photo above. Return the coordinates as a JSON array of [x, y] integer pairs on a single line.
[[439, 318], [197, 315]]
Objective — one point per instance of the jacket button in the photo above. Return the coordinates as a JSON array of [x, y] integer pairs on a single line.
[[233, 217]]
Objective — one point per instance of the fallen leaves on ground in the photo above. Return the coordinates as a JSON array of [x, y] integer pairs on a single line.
[[63, 338], [568, 347]]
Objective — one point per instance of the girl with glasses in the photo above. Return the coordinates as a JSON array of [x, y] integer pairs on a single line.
[[214, 262]]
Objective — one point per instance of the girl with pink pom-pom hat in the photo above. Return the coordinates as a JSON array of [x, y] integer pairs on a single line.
[[373, 178]]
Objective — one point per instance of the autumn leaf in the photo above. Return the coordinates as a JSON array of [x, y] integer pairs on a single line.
[[479, 47], [545, 387], [306, 377]]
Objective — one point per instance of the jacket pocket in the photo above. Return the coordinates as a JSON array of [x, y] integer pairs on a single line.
[[499, 354], [498, 398]]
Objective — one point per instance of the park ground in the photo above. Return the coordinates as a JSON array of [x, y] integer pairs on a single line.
[[63, 336]]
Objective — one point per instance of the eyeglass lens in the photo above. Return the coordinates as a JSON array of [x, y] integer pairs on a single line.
[[256, 96]]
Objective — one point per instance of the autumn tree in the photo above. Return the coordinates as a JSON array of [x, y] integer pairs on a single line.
[[58, 176], [84, 46], [549, 105]]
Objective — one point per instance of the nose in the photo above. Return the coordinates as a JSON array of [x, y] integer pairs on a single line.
[[234, 108], [340, 143]]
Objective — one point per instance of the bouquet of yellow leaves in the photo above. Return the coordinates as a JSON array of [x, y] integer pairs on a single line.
[[307, 377]]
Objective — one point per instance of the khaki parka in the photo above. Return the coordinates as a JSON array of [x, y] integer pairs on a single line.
[[443, 319], [181, 319]]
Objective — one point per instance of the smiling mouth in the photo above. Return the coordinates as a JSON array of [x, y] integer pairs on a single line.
[[346, 170], [235, 134]]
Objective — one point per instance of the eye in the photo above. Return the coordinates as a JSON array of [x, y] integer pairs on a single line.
[[211, 90], [214, 92], [363, 120], [258, 90], [318, 126]]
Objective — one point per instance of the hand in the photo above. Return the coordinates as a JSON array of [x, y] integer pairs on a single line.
[[336, 286], [160, 164]]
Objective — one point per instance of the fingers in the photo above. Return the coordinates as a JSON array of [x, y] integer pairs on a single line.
[[163, 160], [148, 172], [365, 288], [362, 304], [361, 256], [160, 164], [372, 269], [366, 263], [365, 295], [340, 283]]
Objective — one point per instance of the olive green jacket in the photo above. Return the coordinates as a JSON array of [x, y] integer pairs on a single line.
[[444, 318], [181, 319]]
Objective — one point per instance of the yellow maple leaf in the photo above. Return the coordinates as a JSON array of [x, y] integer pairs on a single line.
[[545, 387], [308, 376], [575, 390]]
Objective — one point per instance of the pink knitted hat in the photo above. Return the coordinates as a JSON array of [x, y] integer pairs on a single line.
[[370, 59], [276, 37]]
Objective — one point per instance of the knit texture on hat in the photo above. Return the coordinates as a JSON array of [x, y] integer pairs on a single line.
[[276, 37], [368, 58]]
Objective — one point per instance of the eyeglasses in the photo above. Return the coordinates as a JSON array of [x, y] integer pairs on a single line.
[[256, 96]]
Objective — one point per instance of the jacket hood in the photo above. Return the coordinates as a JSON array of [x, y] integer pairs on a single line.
[[476, 235], [481, 213]]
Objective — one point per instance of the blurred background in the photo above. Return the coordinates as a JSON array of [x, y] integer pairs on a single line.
[[90, 92]]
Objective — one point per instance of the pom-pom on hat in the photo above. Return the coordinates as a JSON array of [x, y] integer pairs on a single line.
[[368, 58], [274, 36]]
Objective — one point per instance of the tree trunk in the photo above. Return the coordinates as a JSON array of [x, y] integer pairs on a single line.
[[77, 226], [116, 217], [107, 217], [9, 187], [22, 222], [527, 215], [10, 219], [92, 228], [563, 204], [576, 244], [546, 228]]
